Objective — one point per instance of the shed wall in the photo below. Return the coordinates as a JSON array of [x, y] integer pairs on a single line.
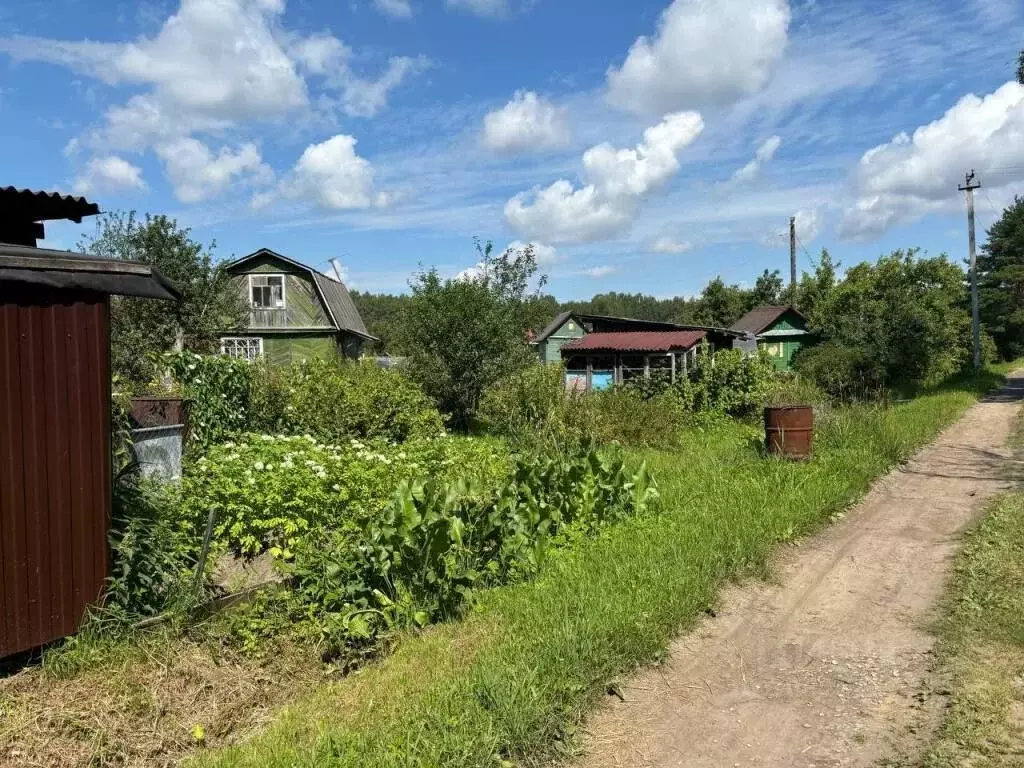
[[54, 460]]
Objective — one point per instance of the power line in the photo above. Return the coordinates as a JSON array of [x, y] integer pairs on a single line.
[[807, 253]]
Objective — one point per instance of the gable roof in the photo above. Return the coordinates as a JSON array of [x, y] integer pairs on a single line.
[[760, 318], [334, 295], [642, 325]]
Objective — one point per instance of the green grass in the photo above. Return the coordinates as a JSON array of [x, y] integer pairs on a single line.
[[511, 683], [982, 642]]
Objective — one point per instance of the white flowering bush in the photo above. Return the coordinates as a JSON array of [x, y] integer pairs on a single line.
[[269, 491]]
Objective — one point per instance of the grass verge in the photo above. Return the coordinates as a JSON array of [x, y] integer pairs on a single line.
[[511, 683], [981, 644]]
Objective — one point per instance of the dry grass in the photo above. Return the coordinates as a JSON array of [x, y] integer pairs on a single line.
[[147, 704]]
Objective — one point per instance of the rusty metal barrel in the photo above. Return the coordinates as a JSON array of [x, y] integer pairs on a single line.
[[789, 431]]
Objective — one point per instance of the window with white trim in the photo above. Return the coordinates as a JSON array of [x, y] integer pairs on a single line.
[[266, 291], [242, 347]]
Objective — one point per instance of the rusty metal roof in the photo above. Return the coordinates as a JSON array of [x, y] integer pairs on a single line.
[[636, 341], [33, 205]]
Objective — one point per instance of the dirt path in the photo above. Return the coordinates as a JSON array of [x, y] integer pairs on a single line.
[[827, 666]]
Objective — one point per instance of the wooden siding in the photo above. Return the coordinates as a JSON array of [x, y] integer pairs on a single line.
[[303, 308], [550, 349]]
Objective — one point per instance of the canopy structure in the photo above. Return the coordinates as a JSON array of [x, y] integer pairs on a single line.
[[600, 360], [66, 270]]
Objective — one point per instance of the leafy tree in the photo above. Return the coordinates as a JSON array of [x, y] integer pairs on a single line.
[[209, 303], [900, 323], [721, 305], [767, 290], [813, 289], [1001, 281], [466, 333], [382, 315], [1020, 68]]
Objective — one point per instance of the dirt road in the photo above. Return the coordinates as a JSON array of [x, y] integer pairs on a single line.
[[831, 665]]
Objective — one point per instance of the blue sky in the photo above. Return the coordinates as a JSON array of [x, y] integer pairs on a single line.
[[642, 145]]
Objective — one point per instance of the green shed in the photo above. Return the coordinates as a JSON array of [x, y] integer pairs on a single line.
[[781, 331], [295, 312]]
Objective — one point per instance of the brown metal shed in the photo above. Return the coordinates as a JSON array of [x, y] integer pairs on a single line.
[[55, 474]]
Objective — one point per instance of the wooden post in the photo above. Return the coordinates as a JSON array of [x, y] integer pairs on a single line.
[[590, 373], [647, 366], [673, 356]]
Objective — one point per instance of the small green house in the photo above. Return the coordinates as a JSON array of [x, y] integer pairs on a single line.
[[781, 331], [295, 312]]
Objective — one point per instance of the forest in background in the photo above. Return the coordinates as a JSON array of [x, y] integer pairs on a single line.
[[719, 304]]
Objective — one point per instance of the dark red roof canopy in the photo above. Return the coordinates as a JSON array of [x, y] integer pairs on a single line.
[[636, 341]]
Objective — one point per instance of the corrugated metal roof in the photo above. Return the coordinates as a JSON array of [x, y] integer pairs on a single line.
[[759, 318], [647, 325], [636, 341], [342, 307], [33, 205]]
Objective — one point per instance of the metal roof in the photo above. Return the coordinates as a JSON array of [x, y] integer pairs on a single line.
[[759, 318], [64, 269], [32, 205], [636, 341], [650, 325], [335, 296]]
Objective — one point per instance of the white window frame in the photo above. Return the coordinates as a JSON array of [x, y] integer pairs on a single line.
[[284, 291], [235, 340]]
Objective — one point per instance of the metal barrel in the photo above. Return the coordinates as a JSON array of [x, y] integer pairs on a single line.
[[789, 431]]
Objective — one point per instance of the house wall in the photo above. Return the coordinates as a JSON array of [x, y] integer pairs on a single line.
[[781, 349], [550, 349], [286, 348], [303, 308]]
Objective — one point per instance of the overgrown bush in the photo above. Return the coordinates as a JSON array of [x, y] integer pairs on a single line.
[[329, 399], [218, 390], [358, 400], [900, 324], [270, 491], [533, 405], [153, 548]]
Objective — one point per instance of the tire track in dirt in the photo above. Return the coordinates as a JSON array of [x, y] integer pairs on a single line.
[[832, 663]]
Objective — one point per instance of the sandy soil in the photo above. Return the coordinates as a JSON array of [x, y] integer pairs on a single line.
[[830, 665]]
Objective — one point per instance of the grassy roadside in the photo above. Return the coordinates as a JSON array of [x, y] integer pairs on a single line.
[[982, 642], [510, 684]]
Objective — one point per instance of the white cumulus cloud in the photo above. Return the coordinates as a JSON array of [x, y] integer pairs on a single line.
[[198, 174], [213, 66], [108, 174], [764, 154], [396, 9], [601, 271], [670, 245], [917, 174], [545, 254], [704, 52], [333, 176], [615, 183], [527, 123]]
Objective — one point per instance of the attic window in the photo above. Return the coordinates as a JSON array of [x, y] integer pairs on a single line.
[[267, 291]]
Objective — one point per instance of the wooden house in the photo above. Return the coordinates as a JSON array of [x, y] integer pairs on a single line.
[[295, 312], [781, 331], [600, 351]]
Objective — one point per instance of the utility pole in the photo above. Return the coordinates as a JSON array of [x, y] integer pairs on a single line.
[[970, 184], [792, 261]]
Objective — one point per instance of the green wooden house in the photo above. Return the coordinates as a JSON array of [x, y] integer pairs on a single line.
[[781, 331], [295, 312]]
